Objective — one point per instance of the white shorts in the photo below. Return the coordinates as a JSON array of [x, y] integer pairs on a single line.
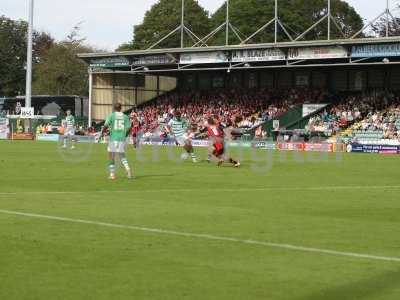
[[183, 140], [69, 132], [116, 147]]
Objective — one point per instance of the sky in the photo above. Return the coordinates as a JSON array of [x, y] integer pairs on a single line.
[[109, 23]]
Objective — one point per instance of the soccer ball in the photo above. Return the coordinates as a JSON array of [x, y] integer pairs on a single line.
[[184, 156]]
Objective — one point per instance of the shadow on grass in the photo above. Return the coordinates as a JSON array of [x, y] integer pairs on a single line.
[[363, 289]]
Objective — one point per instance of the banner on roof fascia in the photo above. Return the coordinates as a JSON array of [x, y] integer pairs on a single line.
[[255, 55], [317, 52], [204, 58], [154, 60], [110, 62], [381, 50]]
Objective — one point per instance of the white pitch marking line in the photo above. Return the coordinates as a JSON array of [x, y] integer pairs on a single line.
[[246, 190], [206, 236]]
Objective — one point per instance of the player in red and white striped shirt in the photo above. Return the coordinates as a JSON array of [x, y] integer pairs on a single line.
[[135, 128], [216, 136]]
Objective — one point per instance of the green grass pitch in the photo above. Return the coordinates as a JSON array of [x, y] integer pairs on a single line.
[[202, 215]]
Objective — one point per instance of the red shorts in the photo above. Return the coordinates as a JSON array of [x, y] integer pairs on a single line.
[[218, 149]]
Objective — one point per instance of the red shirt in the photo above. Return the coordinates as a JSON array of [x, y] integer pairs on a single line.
[[135, 125], [215, 132]]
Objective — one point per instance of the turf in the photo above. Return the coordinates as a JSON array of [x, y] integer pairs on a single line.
[[340, 202]]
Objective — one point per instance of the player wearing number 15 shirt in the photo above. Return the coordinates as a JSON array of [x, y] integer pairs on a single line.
[[118, 125]]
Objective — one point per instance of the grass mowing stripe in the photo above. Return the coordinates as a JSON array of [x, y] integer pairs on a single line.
[[245, 190], [206, 236]]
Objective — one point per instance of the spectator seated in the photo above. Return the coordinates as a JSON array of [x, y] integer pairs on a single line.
[[247, 109]]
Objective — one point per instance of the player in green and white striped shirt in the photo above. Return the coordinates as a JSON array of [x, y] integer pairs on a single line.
[[178, 127], [69, 130]]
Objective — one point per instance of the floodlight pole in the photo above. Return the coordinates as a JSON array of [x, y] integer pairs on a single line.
[[329, 19], [227, 24], [90, 98], [385, 14], [28, 92], [387, 18], [276, 21], [182, 28], [183, 23]]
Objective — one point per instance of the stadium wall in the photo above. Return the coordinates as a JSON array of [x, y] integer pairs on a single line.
[[128, 89]]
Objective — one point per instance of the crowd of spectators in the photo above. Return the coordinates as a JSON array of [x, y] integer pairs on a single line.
[[247, 108], [386, 121], [364, 112]]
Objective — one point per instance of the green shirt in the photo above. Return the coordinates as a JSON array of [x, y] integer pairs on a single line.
[[70, 121], [119, 125]]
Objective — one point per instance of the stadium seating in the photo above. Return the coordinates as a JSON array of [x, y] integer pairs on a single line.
[[366, 118], [360, 118], [378, 126], [248, 108], [368, 136]]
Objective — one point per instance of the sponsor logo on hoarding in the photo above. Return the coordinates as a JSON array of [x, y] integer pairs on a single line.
[[258, 55], [381, 149], [204, 58], [380, 50], [200, 143], [4, 128], [204, 143], [57, 138], [323, 147], [264, 145], [154, 60], [110, 62], [22, 136], [318, 52], [291, 146], [238, 144], [308, 147], [47, 137]]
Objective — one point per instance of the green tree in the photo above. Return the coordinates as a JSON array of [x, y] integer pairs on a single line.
[[297, 15], [42, 41], [12, 56], [13, 43], [60, 71], [164, 17]]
